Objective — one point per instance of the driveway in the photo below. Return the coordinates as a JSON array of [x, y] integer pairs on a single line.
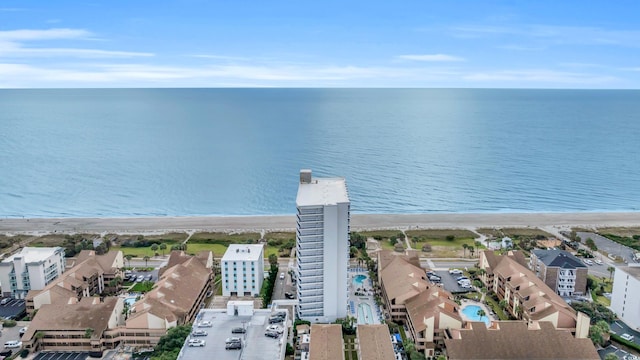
[[450, 283], [619, 328]]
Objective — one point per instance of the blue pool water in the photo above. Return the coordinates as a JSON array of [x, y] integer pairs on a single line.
[[365, 315], [359, 279], [130, 300], [471, 312]]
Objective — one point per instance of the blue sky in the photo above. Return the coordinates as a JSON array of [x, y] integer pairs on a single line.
[[477, 44]]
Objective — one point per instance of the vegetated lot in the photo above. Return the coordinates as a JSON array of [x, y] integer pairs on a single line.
[[283, 242], [218, 242], [515, 233], [140, 245], [441, 242], [384, 237]]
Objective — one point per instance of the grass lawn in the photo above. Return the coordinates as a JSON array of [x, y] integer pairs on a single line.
[[231, 238], [280, 236], [142, 287], [496, 308], [440, 234], [141, 251], [513, 233], [402, 334], [386, 244], [384, 234]]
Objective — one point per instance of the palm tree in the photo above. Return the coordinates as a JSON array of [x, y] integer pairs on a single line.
[[503, 304], [611, 269], [472, 250], [154, 248], [146, 260], [128, 257], [163, 247], [464, 248], [481, 313]]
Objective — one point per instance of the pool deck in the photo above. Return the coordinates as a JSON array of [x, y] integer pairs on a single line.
[[466, 302], [355, 300]]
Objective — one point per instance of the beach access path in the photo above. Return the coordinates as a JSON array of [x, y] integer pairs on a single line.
[[359, 222]]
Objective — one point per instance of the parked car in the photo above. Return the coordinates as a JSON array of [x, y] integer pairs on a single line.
[[205, 324], [149, 277], [272, 334], [14, 344], [6, 352], [625, 336], [140, 278], [598, 261], [196, 342], [199, 333], [233, 340], [587, 261], [238, 330], [455, 271], [209, 293], [289, 295], [435, 278], [281, 276], [233, 346], [431, 273], [275, 320], [5, 301], [22, 331], [462, 278], [275, 328]]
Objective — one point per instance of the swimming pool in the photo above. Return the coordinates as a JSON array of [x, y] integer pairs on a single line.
[[130, 301], [359, 279], [471, 313], [365, 315]]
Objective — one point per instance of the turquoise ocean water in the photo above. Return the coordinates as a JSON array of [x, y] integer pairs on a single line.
[[150, 152]]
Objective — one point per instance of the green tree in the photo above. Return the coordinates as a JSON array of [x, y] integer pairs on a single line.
[[503, 304], [154, 248], [611, 269], [353, 252], [611, 356], [128, 257], [464, 248], [171, 343], [481, 313], [450, 238], [599, 333], [163, 247], [472, 250], [273, 259], [146, 260]]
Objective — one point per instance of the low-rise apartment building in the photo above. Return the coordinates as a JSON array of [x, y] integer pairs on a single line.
[[89, 276], [517, 340], [374, 342], [89, 323], [527, 296], [30, 269], [242, 270], [410, 298], [625, 295], [326, 342], [560, 270]]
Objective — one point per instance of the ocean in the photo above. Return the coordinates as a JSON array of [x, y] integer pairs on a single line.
[[180, 152]]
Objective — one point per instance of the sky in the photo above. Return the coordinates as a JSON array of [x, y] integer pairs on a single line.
[[422, 43]]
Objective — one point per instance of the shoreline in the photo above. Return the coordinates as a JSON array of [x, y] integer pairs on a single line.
[[359, 222]]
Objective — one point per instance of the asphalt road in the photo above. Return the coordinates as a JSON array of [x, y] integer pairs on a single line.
[[282, 286], [611, 247]]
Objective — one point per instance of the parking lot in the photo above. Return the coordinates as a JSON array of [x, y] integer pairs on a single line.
[[450, 283], [145, 274], [62, 356], [13, 309], [611, 349]]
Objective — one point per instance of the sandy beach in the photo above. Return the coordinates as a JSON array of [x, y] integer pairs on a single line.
[[287, 222]]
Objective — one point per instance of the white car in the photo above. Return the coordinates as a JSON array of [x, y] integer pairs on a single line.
[[13, 344], [588, 262], [205, 324], [624, 336], [22, 331], [455, 272], [281, 276], [598, 261], [196, 342], [275, 328]]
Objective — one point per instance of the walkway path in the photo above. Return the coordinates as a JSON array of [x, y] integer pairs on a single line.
[[406, 240]]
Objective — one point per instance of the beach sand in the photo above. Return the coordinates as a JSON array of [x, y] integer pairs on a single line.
[[359, 222]]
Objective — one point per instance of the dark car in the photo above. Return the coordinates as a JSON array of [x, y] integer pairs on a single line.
[[6, 352], [275, 319], [238, 330], [288, 295], [233, 346], [272, 334]]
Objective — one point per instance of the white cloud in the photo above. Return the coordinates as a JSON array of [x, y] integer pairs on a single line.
[[48, 34], [430, 57]]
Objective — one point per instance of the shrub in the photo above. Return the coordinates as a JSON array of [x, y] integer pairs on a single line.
[[24, 353], [9, 323]]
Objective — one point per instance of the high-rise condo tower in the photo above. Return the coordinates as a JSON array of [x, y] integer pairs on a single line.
[[322, 248]]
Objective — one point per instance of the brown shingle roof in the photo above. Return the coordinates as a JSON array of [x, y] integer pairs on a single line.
[[374, 342], [403, 279], [105, 261], [90, 312], [430, 303], [326, 342], [515, 340]]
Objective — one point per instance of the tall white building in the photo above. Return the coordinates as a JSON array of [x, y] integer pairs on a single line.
[[625, 295], [242, 270], [30, 269], [322, 248]]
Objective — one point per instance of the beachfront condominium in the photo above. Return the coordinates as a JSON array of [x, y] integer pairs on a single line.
[[322, 248], [30, 269], [626, 292], [242, 270]]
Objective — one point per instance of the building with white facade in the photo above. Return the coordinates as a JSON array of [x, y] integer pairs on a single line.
[[31, 269], [625, 295], [322, 248], [242, 270], [560, 270]]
